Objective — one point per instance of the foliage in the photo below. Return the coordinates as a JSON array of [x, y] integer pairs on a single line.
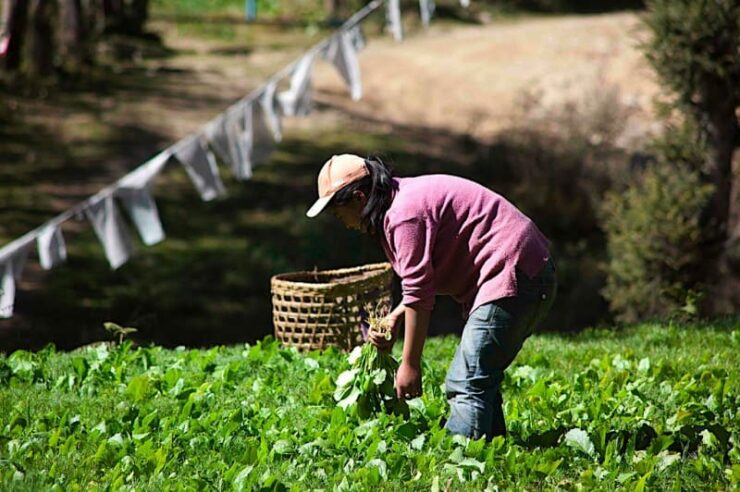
[[654, 235], [117, 330], [694, 48], [681, 143], [654, 407], [693, 41], [366, 388]]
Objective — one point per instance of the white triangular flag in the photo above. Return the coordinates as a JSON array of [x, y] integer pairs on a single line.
[[242, 142], [142, 209], [227, 135], [342, 54], [426, 9], [201, 167], [135, 194], [261, 137], [217, 134], [143, 175], [296, 101], [111, 231], [271, 110], [12, 260], [357, 37], [51, 247], [393, 19]]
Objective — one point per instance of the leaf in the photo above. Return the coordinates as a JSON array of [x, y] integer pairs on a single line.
[[346, 377], [139, 388], [407, 430], [473, 463], [381, 466], [578, 439], [548, 467], [418, 442], [623, 477], [283, 446], [243, 475], [116, 439], [667, 459], [378, 376], [708, 439], [355, 355], [349, 400], [457, 455], [640, 487]]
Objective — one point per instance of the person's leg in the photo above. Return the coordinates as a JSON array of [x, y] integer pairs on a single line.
[[471, 384], [492, 337], [517, 318]]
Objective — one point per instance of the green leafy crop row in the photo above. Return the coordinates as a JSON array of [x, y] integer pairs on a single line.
[[654, 407]]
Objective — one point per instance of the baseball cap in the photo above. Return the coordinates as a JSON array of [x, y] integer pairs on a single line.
[[337, 172]]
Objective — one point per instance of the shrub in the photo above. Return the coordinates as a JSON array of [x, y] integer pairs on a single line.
[[653, 241], [555, 164], [693, 47]]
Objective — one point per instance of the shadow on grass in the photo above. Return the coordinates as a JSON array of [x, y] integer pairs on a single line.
[[208, 283]]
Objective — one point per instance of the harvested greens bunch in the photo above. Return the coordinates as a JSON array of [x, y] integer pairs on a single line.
[[367, 387]]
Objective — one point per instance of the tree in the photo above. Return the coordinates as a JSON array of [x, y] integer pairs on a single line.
[[39, 36], [72, 32], [41, 45], [15, 14], [695, 50]]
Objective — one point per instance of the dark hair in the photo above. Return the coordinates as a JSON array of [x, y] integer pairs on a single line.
[[378, 187]]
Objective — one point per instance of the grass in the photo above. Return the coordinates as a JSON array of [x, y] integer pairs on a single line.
[[657, 402]]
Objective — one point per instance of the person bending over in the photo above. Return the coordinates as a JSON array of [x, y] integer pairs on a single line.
[[446, 235]]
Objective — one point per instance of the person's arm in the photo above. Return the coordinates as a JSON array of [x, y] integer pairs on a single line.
[[408, 378]]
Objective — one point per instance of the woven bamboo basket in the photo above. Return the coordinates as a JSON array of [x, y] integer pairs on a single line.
[[313, 310]]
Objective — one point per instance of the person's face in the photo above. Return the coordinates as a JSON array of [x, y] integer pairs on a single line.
[[350, 213]]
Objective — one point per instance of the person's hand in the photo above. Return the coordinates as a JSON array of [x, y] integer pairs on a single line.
[[408, 381], [378, 338]]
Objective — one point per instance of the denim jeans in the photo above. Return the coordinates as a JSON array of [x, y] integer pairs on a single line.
[[493, 335]]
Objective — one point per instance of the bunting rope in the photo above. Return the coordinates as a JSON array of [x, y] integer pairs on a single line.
[[241, 136]]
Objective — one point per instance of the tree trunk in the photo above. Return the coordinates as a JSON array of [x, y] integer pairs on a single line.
[[92, 18], [72, 32], [136, 16], [113, 15], [332, 9], [41, 46], [722, 248], [12, 31], [723, 135]]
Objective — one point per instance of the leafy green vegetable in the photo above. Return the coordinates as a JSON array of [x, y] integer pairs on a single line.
[[368, 386], [583, 412]]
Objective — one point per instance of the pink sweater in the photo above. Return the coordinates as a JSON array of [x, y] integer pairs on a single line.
[[450, 236]]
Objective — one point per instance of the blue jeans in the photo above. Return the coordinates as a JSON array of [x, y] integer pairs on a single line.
[[493, 335]]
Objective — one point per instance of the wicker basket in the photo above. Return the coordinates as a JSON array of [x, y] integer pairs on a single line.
[[312, 310]]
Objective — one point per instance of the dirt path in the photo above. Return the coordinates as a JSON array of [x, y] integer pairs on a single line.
[[465, 79], [472, 79]]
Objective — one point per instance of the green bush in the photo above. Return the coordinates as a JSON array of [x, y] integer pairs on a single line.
[[653, 241]]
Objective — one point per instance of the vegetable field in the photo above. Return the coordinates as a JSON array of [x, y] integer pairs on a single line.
[[650, 407]]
